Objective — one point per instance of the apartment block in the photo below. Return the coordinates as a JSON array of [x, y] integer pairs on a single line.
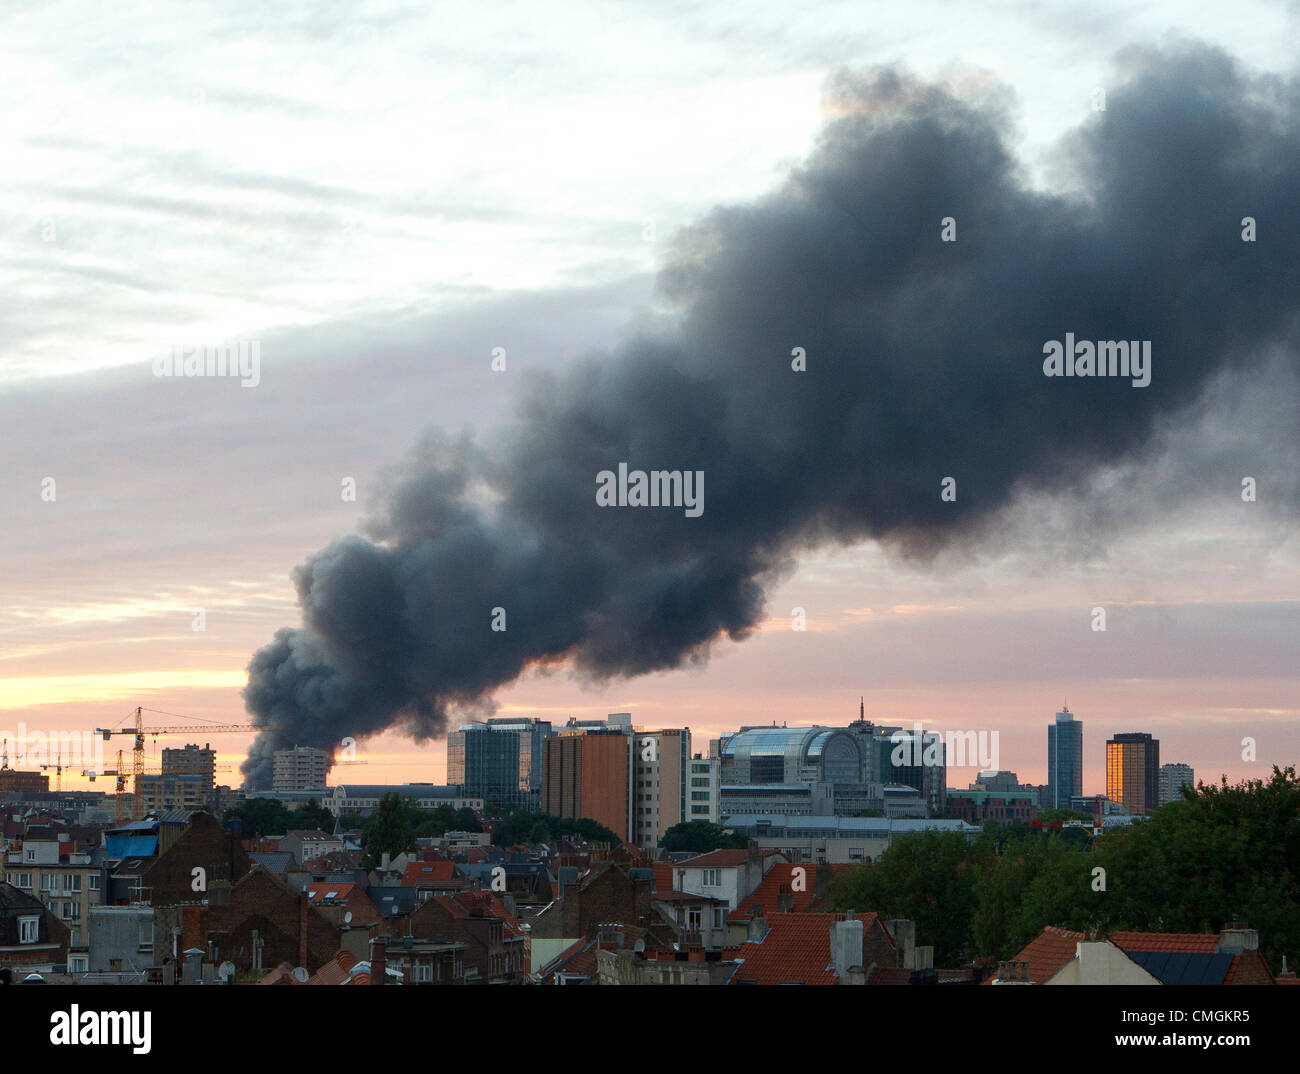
[[301, 768]]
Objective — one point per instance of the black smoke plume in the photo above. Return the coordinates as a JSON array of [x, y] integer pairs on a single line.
[[924, 360]]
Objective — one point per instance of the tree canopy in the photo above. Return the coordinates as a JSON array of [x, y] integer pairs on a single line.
[[266, 816], [700, 836], [1224, 853]]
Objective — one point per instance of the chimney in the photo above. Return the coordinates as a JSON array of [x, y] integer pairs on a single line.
[[1236, 938], [303, 903], [846, 951], [822, 878], [923, 957], [903, 933], [378, 960], [1094, 962]]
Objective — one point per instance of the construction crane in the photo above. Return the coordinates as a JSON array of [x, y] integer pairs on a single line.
[[137, 799], [120, 790], [139, 731], [58, 770]]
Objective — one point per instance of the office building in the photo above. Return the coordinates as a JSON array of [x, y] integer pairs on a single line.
[[997, 781], [705, 792], [12, 780], [587, 772], [1133, 771], [499, 761], [1173, 778], [1064, 759], [660, 763]]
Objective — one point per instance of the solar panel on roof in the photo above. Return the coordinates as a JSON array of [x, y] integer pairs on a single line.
[[1184, 967]]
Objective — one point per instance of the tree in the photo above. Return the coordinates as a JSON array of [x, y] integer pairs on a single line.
[[1221, 854], [929, 877], [699, 836], [267, 816], [391, 830], [521, 826], [312, 815]]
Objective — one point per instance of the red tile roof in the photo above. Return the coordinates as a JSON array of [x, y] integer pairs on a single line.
[[1192, 942], [422, 873], [321, 890], [464, 903], [578, 958], [778, 879], [797, 947], [1049, 951]]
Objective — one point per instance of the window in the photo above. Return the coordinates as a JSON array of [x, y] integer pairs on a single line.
[[78, 964], [146, 935], [694, 920], [855, 853], [30, 854], [72, 911], [29, 929], [718, 919], [71, 882], [50, 882], [712, 878]]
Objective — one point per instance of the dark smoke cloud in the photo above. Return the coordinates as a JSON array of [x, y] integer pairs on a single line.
[[924, 361]]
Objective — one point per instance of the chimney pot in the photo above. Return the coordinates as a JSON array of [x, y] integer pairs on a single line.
[[378, 960]]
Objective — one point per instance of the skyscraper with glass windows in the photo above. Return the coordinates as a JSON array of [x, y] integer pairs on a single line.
[[499, 761], [1064, 759]]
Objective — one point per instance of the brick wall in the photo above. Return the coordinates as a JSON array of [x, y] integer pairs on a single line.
[[205, 844]]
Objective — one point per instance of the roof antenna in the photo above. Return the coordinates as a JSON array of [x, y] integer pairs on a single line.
[[862, 708]]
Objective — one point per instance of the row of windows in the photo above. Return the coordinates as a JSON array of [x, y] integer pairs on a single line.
[[50, 882]]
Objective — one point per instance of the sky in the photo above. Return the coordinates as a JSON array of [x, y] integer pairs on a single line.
[[381, 195]]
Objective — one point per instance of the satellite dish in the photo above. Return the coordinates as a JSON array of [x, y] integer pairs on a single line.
[[300, 975], [347, 918]]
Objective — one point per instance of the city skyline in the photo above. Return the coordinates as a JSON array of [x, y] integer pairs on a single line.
[[164, 561]]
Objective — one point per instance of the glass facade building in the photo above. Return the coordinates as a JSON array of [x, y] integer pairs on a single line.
[[499, 761], [1133, 771], [1064, 759]]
